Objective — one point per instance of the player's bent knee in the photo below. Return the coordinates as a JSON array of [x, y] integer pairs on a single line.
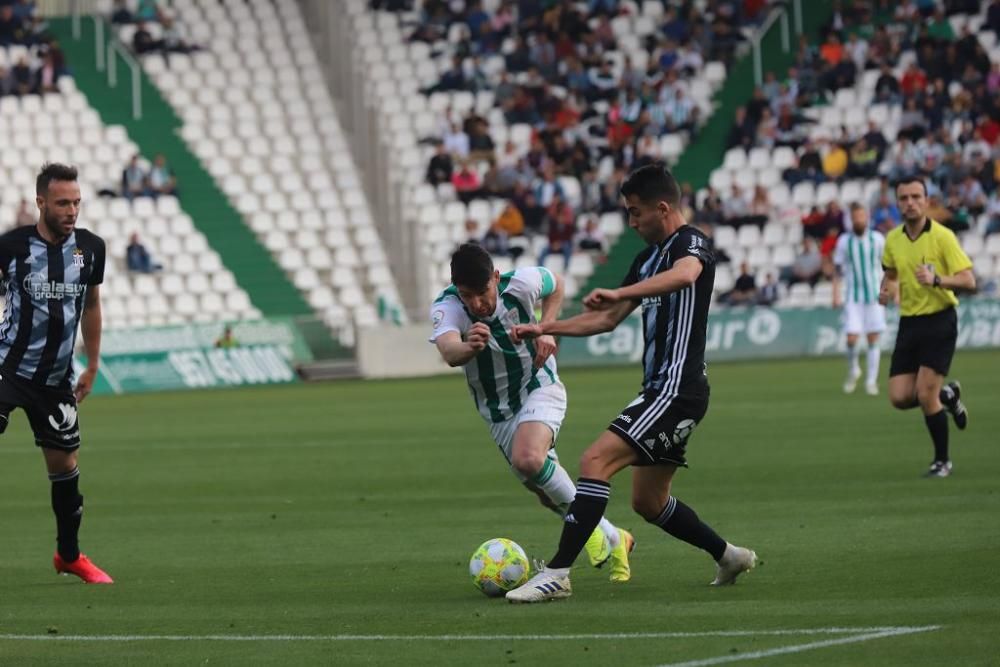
[[646, 507], [527, 463], [592, 464], [901, 402], [605, 457], [903, 398], [928, 397]]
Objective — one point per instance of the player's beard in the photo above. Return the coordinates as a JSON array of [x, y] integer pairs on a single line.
[[55, 227]]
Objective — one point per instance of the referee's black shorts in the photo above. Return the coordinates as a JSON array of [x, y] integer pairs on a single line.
[[925, 340]]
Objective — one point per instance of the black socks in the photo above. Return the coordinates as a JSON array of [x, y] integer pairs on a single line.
[[682, 522], [580, 521], [67, 504]]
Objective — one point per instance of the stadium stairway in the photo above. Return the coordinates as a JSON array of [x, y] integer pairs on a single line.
[[705, 153], [199, 196]]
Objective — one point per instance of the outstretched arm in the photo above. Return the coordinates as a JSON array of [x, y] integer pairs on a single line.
[[683, 274], [585, 324], [608, 307]]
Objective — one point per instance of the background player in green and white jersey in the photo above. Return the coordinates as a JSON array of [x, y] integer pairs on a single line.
[[858, 261], [516, 386]]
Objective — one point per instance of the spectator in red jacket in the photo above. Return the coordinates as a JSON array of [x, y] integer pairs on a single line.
[[466, 182], [914, 80]]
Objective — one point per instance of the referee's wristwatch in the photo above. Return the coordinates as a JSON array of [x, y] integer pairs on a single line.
[[937, 281]]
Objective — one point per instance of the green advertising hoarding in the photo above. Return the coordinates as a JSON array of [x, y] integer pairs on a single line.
[[186, 357], [762, 333]]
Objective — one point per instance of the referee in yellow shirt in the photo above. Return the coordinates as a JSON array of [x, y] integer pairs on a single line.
[[923, 264]]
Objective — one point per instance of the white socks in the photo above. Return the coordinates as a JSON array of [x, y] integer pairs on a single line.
[[610, 532], [558, 487], [852, 360], [873, 357]]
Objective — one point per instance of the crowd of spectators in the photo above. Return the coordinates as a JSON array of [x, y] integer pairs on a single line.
[[593, 114], [949, 109], [38, 69], [584, 110], [947, 122], [940, 120]]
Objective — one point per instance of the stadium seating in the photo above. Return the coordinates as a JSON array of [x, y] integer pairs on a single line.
[[63, 127], [257, 112]]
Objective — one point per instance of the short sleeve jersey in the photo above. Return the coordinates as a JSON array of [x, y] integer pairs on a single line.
[[935, 245], [46, 286], [674, 325], [502, 375], [859, 259]]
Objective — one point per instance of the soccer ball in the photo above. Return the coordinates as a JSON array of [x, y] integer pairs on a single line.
[[497, 566]]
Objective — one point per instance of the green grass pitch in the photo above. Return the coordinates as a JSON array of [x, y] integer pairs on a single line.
[[343, 512]]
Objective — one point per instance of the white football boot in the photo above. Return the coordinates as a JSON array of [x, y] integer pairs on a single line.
[[545, 585], [734, 562], [851, 382]]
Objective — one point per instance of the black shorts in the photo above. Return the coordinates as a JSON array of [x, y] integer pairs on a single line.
[[925, 340], [51, 411], [658, 424]]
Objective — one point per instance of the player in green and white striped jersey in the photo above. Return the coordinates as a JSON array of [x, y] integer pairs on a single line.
[[858, 260], [516, 386]]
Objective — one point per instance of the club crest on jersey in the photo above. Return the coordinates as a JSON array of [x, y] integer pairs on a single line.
[[437, 318], [77, 257]]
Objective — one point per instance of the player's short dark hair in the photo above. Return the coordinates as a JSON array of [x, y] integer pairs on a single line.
[[53, 171], [471, 267], [911, 179], [652, 183], [858, 206]]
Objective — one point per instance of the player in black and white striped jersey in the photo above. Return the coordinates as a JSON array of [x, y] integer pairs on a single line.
[[672, 280], [52, 272]]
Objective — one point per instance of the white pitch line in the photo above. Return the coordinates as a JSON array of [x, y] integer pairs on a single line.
[[872, 632], [799, 648]]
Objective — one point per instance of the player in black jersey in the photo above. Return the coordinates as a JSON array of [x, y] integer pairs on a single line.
[[52, 272], [672, 281]]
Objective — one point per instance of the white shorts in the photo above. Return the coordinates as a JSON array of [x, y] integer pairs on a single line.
[[864, 318], [546, 405]]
